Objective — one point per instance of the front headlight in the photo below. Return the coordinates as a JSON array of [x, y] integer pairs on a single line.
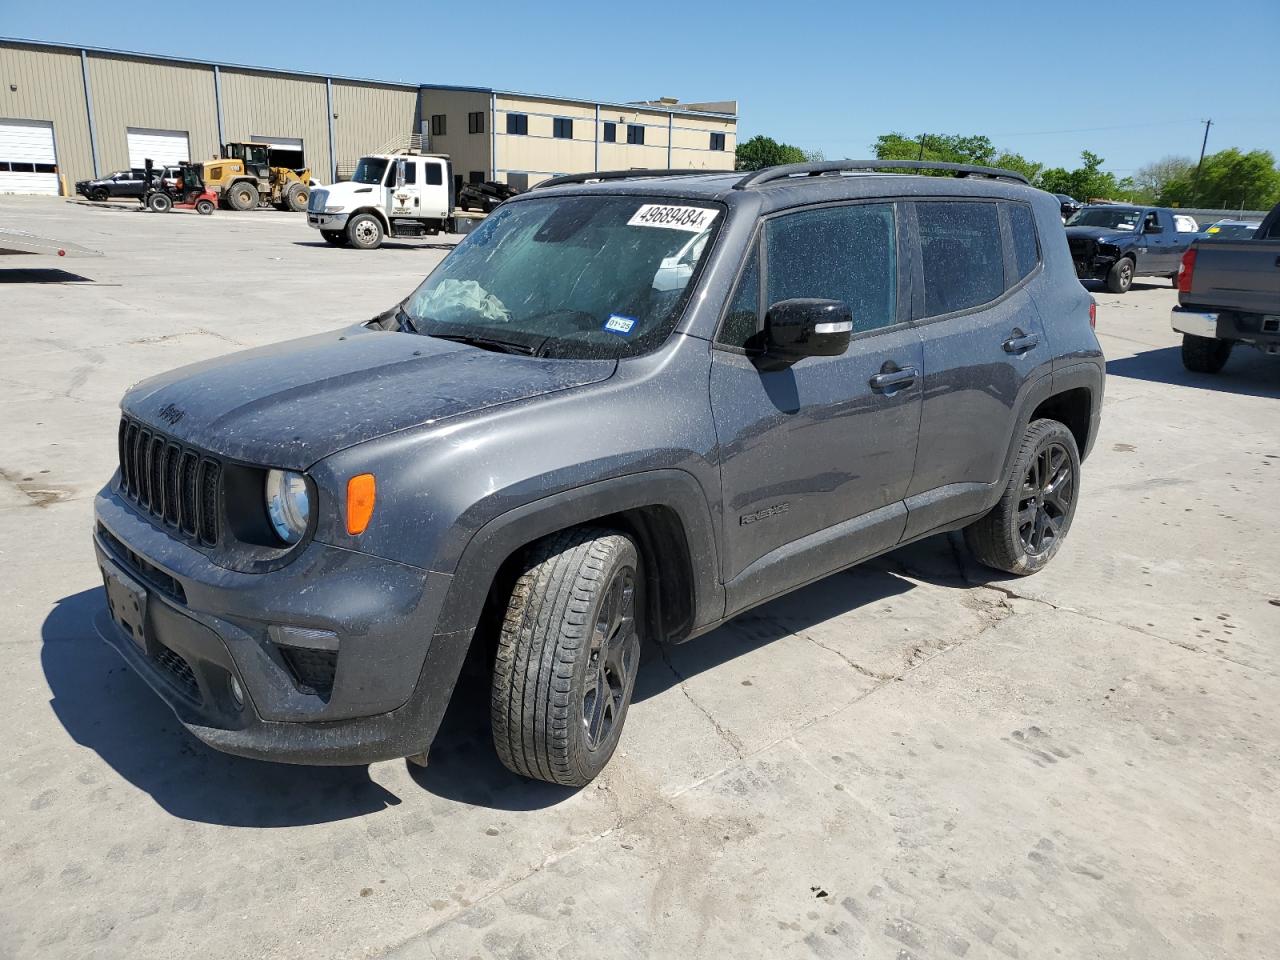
[[288, 504], [337, 209]]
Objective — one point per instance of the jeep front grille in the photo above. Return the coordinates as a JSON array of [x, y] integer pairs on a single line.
[[175, 484]]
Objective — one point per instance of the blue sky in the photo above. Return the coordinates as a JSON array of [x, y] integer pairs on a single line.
[[1130, 81]]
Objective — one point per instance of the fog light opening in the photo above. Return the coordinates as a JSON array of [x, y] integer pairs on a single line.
[[237, 693]]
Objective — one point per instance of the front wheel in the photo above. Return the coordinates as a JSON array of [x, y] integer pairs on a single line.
[[1204, 354], [204, 207], [567, 656], [1024, 531], [1120, 276], [364, 231], [242, 196], [296, 198], [99, 195]]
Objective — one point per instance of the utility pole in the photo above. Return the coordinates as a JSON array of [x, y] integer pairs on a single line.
[[1195, 183], [922, 136]]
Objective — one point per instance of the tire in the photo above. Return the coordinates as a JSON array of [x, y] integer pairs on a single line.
[[242, 196], [335, 238], [364, 231], [99, 195], [571, 629], [1204, 354], [1120, 276], [1025, 530], [159, 203], [296, 199], [1173, 278], [204, 207]]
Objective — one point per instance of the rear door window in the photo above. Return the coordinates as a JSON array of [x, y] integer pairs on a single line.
[[961, 254]]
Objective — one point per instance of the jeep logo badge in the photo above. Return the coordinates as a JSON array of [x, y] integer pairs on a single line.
[[171, 414]]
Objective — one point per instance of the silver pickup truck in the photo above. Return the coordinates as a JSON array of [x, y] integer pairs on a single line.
[[1229, 293]]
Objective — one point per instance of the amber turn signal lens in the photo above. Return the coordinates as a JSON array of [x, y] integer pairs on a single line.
[[361, 491]]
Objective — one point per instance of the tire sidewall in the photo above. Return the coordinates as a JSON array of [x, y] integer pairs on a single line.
[[585, 761], [352, 236], [1117, 282], [1052, 432]]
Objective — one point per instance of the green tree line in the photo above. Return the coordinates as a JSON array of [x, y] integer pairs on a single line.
[[1229, 179]]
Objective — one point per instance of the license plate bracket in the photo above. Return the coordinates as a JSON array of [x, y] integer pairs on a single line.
[[127, 601]]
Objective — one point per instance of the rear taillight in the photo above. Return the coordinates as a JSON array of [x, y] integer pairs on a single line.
[[1187, 268], [1093, 314]]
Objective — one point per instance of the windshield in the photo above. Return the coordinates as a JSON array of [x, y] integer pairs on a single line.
[[1113, 218], [370, 170], [584, 276]]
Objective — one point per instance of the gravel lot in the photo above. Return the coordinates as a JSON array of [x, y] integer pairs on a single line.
[[905, 760]]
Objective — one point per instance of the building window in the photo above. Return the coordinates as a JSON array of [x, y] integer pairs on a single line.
[[518, 124], [437, 124], [562, 128], [475, 176], [610, 132], [717, 141], [475, 122], [635, 133]]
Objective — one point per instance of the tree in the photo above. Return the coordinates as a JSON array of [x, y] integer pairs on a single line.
[[761, 151], [1086, 182], [946, 148], [1229, 180], [1151, 180]]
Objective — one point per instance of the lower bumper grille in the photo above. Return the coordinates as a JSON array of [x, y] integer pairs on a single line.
[[180, 671], [313, 669]]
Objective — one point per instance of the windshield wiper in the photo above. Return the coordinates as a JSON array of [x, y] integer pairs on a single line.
[[492, 343]]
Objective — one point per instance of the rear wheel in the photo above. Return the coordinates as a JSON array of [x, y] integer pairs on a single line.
[[335, 238], [296, 198], [1024, 531], [159, 203], [1204, 354], [567, 656], [1120, 276], [364, 230], [242, 196]]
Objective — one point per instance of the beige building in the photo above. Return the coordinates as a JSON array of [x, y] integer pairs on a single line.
[[71, 113]]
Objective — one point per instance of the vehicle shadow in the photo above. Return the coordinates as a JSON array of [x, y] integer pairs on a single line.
[[1151, 283], [108, 709], [1247, 372], [41, 275]]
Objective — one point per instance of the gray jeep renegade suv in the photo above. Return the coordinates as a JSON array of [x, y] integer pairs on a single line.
[[620, 410]]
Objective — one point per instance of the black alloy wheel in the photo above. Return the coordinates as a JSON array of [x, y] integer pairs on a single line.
[[1045, 501], [615, 651]]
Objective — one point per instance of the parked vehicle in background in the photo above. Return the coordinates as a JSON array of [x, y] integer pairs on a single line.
[[1116, 242], [1185, 224], [484, 196], [616, 413], [186, 190], [1233, 229], [406, 194], [1229, 293], [123, 183], [246, 178], [1067, 206]]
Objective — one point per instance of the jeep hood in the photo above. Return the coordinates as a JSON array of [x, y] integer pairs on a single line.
[[293, 403]]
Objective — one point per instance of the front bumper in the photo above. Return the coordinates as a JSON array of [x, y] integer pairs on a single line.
[[205, 624], [327, 221]]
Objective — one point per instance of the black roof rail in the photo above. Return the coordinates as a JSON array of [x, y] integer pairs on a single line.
[[622, 175], [771, 174]]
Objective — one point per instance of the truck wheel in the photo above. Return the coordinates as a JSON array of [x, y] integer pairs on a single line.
[[567, 656], [364, 231], [335, 238], [99, 194], [159, 203], [1204, 354], [1120, 276], [242, 196], [1024, 530], [204, 207], [296, 198]]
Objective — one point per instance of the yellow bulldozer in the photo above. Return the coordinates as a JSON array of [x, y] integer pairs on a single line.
[[245, 179]]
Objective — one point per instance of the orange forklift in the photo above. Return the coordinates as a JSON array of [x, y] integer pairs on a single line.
[[187, 192]]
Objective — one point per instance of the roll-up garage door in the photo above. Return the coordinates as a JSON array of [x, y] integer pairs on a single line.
[[161, 147], [285, 151], [27, 160]]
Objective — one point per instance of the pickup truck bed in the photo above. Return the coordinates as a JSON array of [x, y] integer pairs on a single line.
[[1229, 293]]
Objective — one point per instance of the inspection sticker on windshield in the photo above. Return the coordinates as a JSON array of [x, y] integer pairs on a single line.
[[692, 219], [620, 325]]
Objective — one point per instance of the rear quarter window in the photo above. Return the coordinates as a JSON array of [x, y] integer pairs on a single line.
[[1026, 245]]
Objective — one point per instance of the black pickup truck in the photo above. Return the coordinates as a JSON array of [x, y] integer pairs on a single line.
[[1229, 293], [1115, 243]]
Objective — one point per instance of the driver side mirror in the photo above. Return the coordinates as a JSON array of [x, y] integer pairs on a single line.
[[805, 327]]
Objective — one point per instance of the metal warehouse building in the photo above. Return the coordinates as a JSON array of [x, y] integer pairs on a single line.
[[70, 112]]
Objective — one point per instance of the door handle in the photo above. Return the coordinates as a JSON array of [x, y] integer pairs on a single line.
[[1021, 342], [893, 380]]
